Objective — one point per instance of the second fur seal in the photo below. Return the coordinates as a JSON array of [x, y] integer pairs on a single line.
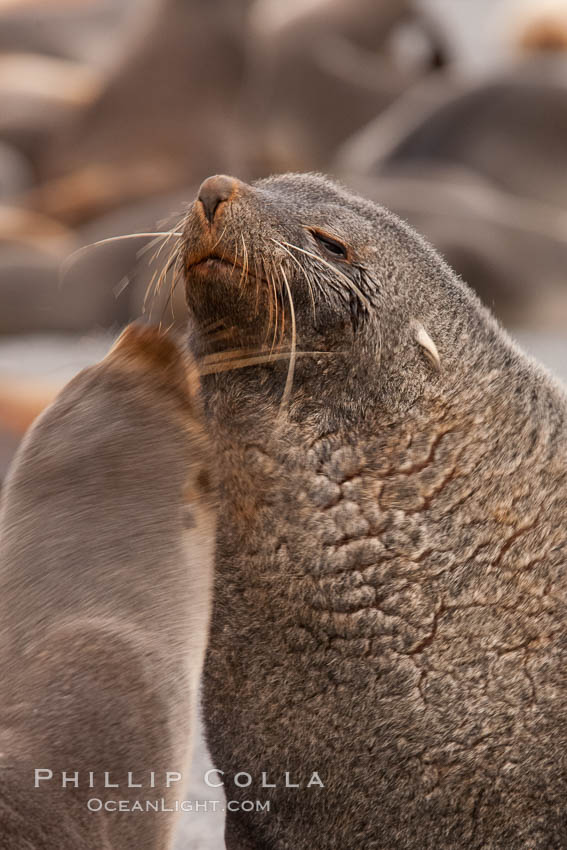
[[106, 553], [391, 600]]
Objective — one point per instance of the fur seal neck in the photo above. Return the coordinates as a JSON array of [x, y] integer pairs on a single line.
[[374, 306]]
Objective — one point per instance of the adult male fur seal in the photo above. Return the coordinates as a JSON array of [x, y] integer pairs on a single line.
[[390, 601], [106, 549]]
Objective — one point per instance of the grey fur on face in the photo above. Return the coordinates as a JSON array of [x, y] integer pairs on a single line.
[[391, 595]]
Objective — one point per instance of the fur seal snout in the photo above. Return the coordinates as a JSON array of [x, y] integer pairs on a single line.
[[391, 591], [106, 548], [215, 191]]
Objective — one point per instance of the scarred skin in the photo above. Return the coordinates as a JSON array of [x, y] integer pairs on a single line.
[[390, 598]]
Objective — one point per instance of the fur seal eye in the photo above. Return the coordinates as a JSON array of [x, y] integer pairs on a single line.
[[331, 246]]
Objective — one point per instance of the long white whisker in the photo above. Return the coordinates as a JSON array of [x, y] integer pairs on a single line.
[[72, 259], [210, 364], [304, 272], [292, 356]]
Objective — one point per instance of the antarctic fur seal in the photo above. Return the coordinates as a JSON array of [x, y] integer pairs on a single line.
[[390, 597], [106, 550]]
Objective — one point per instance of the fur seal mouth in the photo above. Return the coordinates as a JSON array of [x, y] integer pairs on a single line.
[[212, 265]]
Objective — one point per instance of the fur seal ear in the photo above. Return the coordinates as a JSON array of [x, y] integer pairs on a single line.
[[424, 340]]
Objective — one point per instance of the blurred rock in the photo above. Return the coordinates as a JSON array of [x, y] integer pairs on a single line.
[[16, 175], [32, 370], [20, 225], [39, 95], [134, 265], [513, 253], [83, 30], [320, 71], [33, 297], [95, 190], [549, 349], [479, 168], [53, 279], [169, 102], [483, 36], [511, 129], [31, 249], [22, 401]]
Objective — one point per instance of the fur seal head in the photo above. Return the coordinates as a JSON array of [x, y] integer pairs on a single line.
[[324, 283]]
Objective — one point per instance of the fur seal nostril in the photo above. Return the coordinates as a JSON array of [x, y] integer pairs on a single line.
[[213, 191]]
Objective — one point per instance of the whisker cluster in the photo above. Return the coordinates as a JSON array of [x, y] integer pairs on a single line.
[[324, 281], [77, 255]]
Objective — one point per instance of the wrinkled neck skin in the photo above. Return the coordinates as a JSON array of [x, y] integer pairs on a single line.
[[394, 532], [377, 414], [379, 437]]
